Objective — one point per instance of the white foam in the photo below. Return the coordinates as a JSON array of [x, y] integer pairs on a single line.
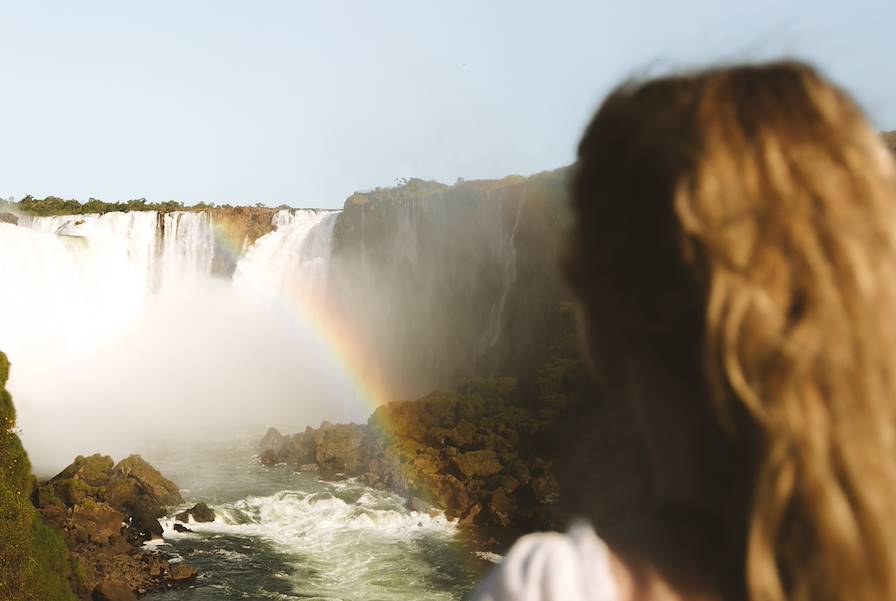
[[489, 556], [289, 517]]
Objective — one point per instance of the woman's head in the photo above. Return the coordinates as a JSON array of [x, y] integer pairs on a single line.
[[736, 234]]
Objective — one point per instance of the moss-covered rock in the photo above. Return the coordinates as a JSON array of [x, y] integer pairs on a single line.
[[34, 562], [105, 512]]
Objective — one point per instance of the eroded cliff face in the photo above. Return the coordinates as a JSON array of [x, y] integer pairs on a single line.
[[442, 283]]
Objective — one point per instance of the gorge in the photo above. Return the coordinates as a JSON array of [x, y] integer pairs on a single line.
[[184, 334]]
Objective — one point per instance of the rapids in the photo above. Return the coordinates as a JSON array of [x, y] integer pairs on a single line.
[[279, 534], [123, 340]]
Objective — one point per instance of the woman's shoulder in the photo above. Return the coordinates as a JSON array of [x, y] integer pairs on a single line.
[[580, 566], [552, 566]]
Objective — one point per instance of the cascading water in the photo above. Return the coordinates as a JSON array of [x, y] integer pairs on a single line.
[[73, 281], [188, 247], [123, 311], [506, 254], [293, 258], [118, 333]]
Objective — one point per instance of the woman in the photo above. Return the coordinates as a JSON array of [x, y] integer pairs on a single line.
[[734, 255]]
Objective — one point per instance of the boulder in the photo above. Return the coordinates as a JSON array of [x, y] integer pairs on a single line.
[[268, 458], [179, 572], [546, 488], [93, 470], [272, 442], [143, 519], [200, 512], [181, 528], [90, 501], [503, 508], [463, 434], [95, 522], [451, 495], [113, 590], [337, 446], [152, 483], [478, 463]]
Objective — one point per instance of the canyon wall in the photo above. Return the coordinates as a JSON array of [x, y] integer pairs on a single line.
[[442, 283]]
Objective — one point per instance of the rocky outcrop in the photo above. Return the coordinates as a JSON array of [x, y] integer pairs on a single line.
[[464, 452], [106, 511], [200, 512], [519, 455]]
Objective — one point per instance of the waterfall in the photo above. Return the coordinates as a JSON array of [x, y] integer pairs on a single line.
[[69, 281], [120, 334], [506, 255], [292, 259], [76, 277], [188, 247]]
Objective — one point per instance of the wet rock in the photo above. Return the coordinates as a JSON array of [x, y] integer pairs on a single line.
[[152, 483], [143, 519], [181, 528], [106, 512], [268, 458], [200, 512], [502, 507], [478, 463], [93, 470], [461, 451], [179, 572], [337, 446], [113, 590], [272, 442], [546, 489]]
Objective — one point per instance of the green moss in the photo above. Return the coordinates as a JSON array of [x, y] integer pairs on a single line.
[[53, 567], [4, 369], [34, 561], [15, 543]]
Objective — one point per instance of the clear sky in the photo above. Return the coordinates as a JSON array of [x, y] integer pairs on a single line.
[[303, 102]]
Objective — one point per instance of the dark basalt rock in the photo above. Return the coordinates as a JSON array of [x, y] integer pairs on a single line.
[[200, 512], [459, 452], [113, 590], [179, 572], [106, 512]]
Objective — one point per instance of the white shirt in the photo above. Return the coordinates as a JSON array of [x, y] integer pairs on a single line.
[[550, 566]]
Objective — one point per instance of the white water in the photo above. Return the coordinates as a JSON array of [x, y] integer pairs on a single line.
[[188, 247], [292, 259], [284, 535], [119, 335]]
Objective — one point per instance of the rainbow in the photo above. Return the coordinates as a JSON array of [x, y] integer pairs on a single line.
[[316, 317]]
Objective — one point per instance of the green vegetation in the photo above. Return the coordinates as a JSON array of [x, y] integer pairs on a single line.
[[34, 562], [54, 205]]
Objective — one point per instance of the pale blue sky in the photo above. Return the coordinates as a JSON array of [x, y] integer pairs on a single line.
[[304, 102]]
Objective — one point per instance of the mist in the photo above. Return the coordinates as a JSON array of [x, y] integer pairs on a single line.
[[102, 363]]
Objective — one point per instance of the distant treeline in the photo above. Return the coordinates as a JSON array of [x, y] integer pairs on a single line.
[[53, 205]]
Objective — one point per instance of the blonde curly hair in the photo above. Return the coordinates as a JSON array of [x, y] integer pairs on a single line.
[[738, 227]]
